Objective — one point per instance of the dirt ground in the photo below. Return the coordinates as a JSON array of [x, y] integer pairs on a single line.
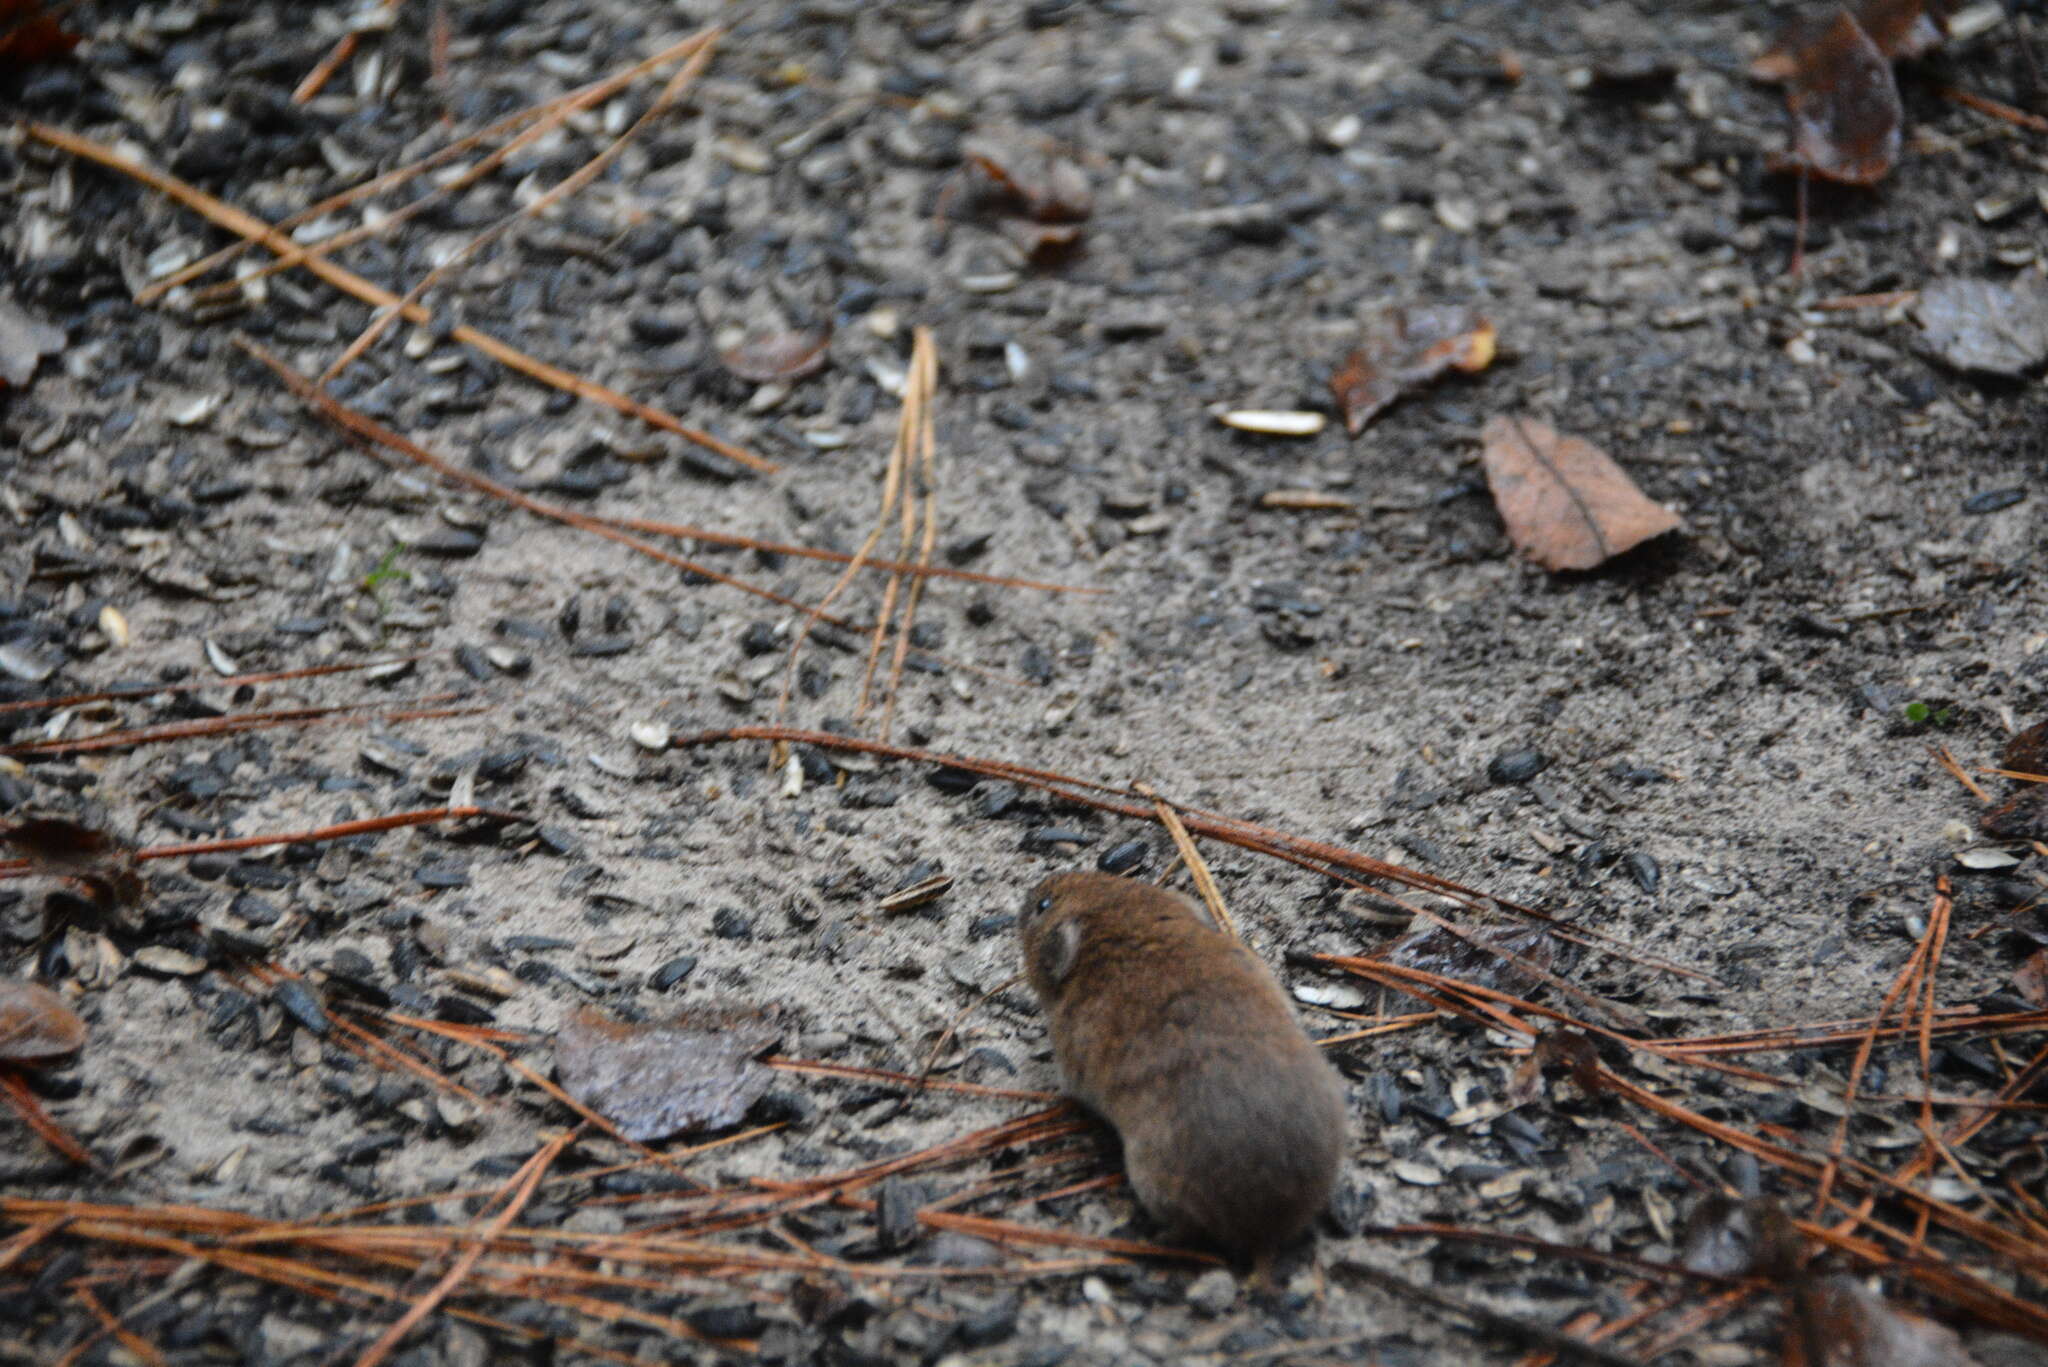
[[1733, 780]]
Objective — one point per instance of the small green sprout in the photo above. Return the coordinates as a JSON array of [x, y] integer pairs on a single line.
[[387, 568], [1919, 713]]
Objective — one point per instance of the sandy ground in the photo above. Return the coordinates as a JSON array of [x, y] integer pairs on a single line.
[[1732, 782]]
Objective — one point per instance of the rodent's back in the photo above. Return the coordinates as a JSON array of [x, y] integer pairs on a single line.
[[1232, 1121]]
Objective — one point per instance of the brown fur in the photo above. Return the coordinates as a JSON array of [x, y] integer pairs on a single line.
[[1232, 1121]]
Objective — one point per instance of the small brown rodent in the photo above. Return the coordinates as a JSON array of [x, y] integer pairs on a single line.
[[1175, 1033]]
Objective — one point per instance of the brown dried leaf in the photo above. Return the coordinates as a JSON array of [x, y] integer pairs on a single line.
[[1847, 120], [1566, 504], [27, 34], [1897, 28], [2030, 979], [1837, 1322], [59, 848], [1560, 1048], [787, 355], [1727, 1237], [1042, 244], [2027, 751], [1406, 349], [1036, 182], [35, 1024], [694, 1072], [1982, 325], [23, 340], [1904, 28]]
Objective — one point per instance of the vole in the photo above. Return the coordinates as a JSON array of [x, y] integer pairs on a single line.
[[1232, 1121]]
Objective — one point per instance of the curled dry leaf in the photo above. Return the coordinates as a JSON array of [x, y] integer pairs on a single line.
[[1566, 504], [1847, 120], [1838, 1322], [59, 848], [770, 356], [697, 1071], [1728, 1237], [23, 340], [1898, 29], [35, 1024], [1904, 28], [1034, 181], [1405, 349], [2000, 329], [1560, 1048]]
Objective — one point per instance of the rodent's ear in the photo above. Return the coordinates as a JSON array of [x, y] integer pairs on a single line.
[[1054, 955]]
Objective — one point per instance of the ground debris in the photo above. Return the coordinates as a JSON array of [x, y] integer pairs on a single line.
[[787, 355], [102, 863], [1981, 325], [695, 1071], [24, 340]]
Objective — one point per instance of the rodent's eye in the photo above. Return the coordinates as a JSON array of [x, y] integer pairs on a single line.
[[1045, 904]]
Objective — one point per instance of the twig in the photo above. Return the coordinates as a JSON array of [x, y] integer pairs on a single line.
[[1491, 1320], [15, 868], [32, 1113], [643, 524], [1984, 104], [1198, 867], [235, 725], [348, 282], [567, 186], [925, 483], [527, 1179], [234, 681], [545, 116], [372, 431], [1948, 762], [324, 69]]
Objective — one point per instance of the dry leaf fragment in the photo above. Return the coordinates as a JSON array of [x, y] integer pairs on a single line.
[[694, 1072], [1904, 28], [35, 1024], [1560, 1048], [1566, 504], [1898, 29], [28, 34], [1838, 1322], [789, 355], [59, 848], [24, 340], [1847, 120], [1983, 325], [2027, 751], [1406, 349], [2023, 816], [1037, 182]]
